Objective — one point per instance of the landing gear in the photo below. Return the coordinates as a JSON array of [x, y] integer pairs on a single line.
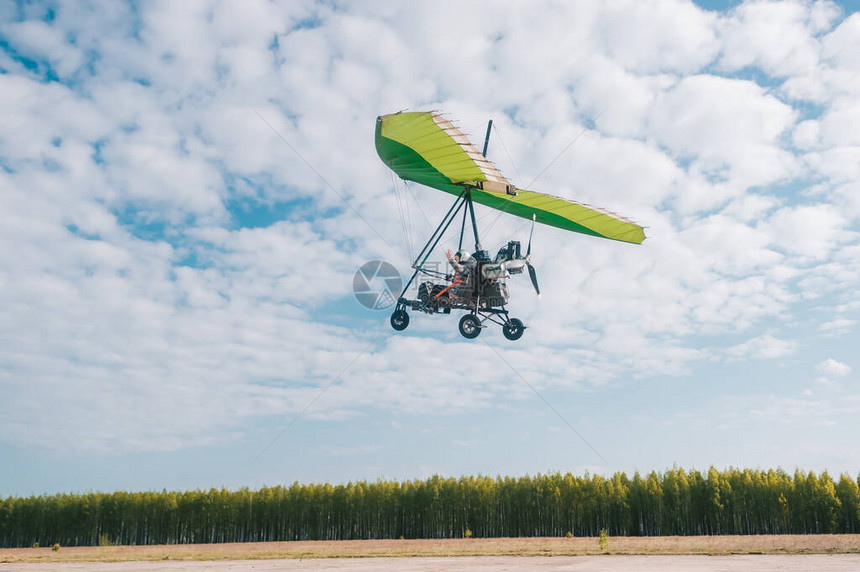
[[399, 320], [513, 329], [470, 326]]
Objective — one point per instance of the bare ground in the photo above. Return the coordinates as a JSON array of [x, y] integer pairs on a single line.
[[661, 545]]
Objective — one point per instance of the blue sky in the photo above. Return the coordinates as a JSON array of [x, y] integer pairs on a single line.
[[188, 189]]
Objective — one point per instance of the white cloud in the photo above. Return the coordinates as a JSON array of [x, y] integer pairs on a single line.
[[839, 122], [658, 36], [43, 42], [834, 368], [285, 262], [840, 48], [807, 134], [777, 37], [840, 164], [811, 231], [763, 347], [729, 128], [838, 327]]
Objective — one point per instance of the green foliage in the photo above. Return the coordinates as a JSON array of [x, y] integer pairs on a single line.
[[675, 502], [604, 539]]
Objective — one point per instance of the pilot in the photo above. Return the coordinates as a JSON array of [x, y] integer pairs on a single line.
[[463, 265]]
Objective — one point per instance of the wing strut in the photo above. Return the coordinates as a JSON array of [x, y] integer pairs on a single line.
[[463, 201], [459, 203]]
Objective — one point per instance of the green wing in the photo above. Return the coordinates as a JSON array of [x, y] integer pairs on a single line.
[[427, 148]]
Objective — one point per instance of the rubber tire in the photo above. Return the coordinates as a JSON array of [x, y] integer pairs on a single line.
[[399, 320], [514, 329], [470, 327]]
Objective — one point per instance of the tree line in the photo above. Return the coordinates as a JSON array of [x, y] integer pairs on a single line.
[[674, 502]]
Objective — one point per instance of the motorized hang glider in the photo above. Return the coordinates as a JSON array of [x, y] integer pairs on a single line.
[[428, 149]]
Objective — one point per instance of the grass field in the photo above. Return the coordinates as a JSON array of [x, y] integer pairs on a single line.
[[662, 545]]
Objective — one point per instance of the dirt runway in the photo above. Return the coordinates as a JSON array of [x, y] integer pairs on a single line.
[[733, 563]]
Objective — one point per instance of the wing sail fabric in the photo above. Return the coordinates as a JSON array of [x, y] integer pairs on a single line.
[[428, 149], [564, 214]]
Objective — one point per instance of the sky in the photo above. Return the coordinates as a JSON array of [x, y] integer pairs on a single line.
[[188, 188]]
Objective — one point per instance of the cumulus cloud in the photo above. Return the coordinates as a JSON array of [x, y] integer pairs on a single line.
[[838, 327], [188, 189], [763, 347], [810, 230], [834, 368], [729, 128], [777, 37]]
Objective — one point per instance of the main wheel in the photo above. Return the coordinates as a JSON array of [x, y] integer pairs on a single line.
[[399, 320], [513, 329], [470, 327]]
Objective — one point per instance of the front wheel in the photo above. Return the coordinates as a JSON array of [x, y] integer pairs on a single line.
[[470, 327], [513, 329], [399, 320]]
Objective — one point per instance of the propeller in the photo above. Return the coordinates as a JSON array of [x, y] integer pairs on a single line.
[[533, 276], [532, 272]]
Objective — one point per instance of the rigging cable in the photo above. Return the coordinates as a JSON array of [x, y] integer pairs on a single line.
[[551, 163], [399, 201], [408, 219], [505, 148], [447, 242], [417, 204]]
